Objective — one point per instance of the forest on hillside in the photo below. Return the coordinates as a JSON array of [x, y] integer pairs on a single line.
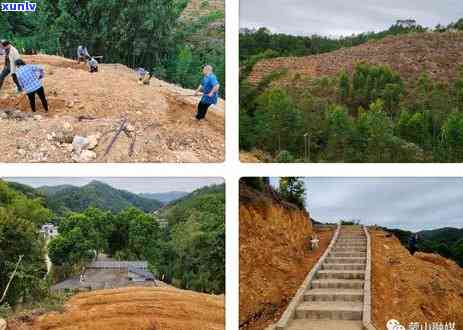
[[371, 115], [188, 253], [151, 34], [448, 242]]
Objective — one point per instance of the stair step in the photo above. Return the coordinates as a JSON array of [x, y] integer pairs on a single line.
[[353, 266], [349, 249], [337, 310], [348, 254], [345, 260], [334, 295], [337, 284], [341, 274], [303, 324]]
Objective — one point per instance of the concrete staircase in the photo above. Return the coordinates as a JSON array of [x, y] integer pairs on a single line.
[[334, 299]]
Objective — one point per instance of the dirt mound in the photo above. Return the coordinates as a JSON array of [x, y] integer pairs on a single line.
[[274, 256], [439, 54], [160, 117], [420, 288], [136, 308]]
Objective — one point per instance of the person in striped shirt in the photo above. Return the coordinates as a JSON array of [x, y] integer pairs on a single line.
[[30, 78]]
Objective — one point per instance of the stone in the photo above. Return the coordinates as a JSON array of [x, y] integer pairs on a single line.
[[93, 141], [21, 152], [79, 143], [67, 127], [51, 137], [70, 104], [85, 156], [129, 128], [37, 117], [3, 115], [3, 324]]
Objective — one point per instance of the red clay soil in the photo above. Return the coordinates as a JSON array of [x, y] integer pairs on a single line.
[[440, 54], [135, 308], [274, 256], [420, 288]]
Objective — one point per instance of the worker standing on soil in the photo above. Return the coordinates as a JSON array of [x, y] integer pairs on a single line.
[[82, 54], [11, 55], [412, 242], [210, 88], [30, 77]]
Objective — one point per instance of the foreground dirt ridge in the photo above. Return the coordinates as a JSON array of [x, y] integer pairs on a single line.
[[160, 119], [135, 308], [440, 54]]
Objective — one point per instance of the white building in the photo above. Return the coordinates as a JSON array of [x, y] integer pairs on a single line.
[[406, 23], [49, 230]]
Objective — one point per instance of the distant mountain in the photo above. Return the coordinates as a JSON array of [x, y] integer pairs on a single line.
[[448, 242], [96, 194], [165, 197], [447, 234], [51, 190]]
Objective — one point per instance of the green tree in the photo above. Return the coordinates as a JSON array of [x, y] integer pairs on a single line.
[[292, 189]]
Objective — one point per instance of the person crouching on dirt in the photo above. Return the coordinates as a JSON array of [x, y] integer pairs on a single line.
[[82, 54], [143, 76], [11, 55], [30, 78], [210, 88], [92, 65]]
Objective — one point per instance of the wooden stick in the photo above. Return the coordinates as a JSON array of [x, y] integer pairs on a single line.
[[11, 277], [118, 132]]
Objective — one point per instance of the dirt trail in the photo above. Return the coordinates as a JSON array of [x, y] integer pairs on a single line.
[[420, 288], [135, 308], [160, 115]]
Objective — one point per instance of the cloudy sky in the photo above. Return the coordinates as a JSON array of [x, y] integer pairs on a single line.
[[341, 17], [407, 203], [135, 185]]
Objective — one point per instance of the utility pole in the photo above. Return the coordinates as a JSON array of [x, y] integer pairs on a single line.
[[307, 138]]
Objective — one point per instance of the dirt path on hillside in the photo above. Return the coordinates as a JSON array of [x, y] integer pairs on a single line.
[[420, 288], [160, 118], [137, 309]]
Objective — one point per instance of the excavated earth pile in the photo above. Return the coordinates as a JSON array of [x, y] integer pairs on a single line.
[[274, 256], [440, 54], [160, 125], [420, 288], [135, 308]]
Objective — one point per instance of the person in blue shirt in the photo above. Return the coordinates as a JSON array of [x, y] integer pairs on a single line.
[[210, 88], [30, 78]]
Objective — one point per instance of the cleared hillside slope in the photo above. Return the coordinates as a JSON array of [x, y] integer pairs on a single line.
[[274, 256], [440, 54], [420, 288]]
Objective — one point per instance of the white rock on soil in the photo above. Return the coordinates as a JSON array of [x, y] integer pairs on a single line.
[[3, 324], [93, 141], [79, 143], [85, 156], [67, 127], [37, 117]]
